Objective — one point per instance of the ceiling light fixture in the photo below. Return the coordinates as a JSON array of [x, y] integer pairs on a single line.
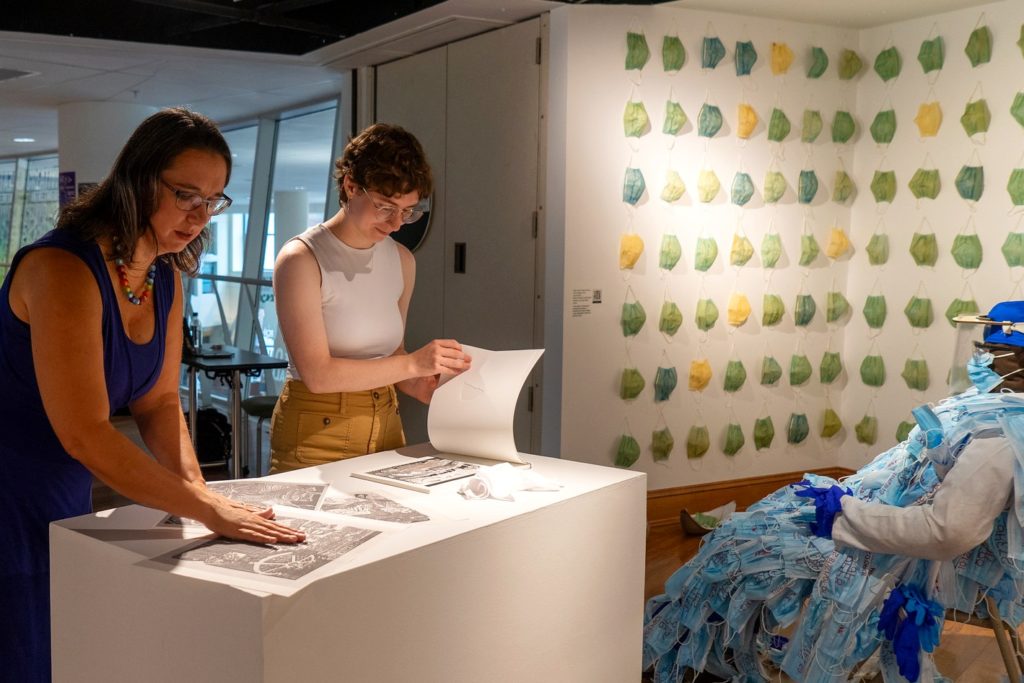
[[24, 139]]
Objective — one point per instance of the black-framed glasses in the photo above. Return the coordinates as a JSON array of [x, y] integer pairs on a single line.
[[190, 201], [387, 212]]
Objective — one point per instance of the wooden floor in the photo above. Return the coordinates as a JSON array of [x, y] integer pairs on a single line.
[[966, 654]]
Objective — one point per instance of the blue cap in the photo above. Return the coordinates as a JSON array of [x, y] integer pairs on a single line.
[[1004, 315]]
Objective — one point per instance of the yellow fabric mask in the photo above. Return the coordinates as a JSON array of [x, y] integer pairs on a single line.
[[849, 65], [742, 250], [929, 119], [697, 441], [708, 186], [812, 125], [674, 188], [739, 309], [635, 121], [630, 248], [746, 121], [700, 374], [782, 58], [838, 243], [774, 186]]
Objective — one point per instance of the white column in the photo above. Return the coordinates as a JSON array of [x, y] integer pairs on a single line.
[[291, 215], [91, 134]]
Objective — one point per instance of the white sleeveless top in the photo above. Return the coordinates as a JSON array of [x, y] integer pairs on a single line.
[[359, 294]]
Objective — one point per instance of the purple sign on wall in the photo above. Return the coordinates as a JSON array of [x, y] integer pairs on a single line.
[[66, 187]]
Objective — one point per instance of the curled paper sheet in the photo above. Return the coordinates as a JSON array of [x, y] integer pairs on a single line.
[[499, 481]]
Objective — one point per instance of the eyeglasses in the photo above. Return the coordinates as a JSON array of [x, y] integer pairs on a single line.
[[387, 212], [190, 201]]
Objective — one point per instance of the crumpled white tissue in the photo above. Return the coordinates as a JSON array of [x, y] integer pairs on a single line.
[[499, 481]]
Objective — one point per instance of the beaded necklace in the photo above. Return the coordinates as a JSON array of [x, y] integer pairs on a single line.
[[122, 272]]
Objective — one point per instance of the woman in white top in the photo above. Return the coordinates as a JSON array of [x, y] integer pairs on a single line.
[[342, 290]]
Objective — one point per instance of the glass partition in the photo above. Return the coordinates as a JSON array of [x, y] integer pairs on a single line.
[[39, 213]]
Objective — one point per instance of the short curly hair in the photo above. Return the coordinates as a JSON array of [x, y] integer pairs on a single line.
[[387, 159]]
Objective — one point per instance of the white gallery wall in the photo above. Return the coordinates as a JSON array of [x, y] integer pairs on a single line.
[[588, 156]]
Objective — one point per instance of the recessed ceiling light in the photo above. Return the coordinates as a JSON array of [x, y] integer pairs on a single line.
[[24, 139]]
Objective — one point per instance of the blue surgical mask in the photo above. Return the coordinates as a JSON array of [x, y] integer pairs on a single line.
[[981, 374]]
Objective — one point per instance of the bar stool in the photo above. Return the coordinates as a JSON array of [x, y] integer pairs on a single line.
[[1006, 636], [260, 407]]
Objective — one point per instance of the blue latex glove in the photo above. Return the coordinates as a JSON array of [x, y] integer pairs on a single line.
[[826, 505], [912, 622]]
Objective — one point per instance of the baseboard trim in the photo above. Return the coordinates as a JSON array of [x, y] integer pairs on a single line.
[[663, 505]]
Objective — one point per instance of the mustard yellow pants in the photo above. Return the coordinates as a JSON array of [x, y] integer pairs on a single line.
[[312, 429]]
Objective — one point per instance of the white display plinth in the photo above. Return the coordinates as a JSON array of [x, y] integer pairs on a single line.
[[548, 588]]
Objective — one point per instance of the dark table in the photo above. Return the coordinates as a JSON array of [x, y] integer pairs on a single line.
[[230, 369]]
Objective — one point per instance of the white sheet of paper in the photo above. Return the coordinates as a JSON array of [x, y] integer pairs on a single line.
[[473, 413]]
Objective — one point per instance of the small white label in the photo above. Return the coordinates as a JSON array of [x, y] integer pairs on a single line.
[[583, 299]]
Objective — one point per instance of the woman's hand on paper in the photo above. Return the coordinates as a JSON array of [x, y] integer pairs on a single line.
[[244, 522], [441, 356]]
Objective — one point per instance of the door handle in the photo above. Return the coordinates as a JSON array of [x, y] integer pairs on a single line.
[[460, 257]]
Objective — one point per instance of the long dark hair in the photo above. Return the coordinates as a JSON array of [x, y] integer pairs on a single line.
[[120, 207]]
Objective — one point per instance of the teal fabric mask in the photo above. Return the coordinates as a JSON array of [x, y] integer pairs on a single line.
[[711, 52], [818, 63], [745, 58], [665, 380], [633, 186], [798, 428], [804, 310], [637, 52], [742, 189], [808, 186], [633, 318], [709, 121], [970, 182]]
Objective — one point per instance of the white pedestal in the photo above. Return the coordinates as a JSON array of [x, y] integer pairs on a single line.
[[546, 589]]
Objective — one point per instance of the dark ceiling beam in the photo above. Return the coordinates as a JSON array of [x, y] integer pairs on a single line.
[[244, 15], [282, 6]]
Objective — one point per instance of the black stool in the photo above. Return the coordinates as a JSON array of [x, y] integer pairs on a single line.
[[260, 407]]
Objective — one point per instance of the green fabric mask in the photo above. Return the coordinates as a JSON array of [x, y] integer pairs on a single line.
[[673, 54], [831, 367], [836, 306], [662, 444], [867, 430], [697, 442], [746, 57], [774, 186], [705, 254], [919, 312], [671, 318], [925, 183], [884, 127], [812, 125], [808, 249], [924, 248], [633, 318], [878, 249], [635, 121], [883, 186], [800, 369], [798, 428], [742, 188], [707, 314], [804, 310], [976, 117], [1015, 186], [734, 439], [674, 188], [831, 424], [903, 430], [872, 371], [665, 381], [967, 251], [843, 127], [932, 54], [637, 52], [771, 371], [707, 186], [843, 188], [633, 186], [849, 65], [628, 453], [1017, 108], [1013, 249], [772, 310], [778, 126], [711, 52], [670, 253], [970, 182], [771, 249], [888, 64], [979, 46], [741, 251], [709, 121], [735, 375], [875, 311], [818, 64], [961, 307], [808, 187], [675, 118], [632, 384], [915, 374], [1020, 41], [764, 433]]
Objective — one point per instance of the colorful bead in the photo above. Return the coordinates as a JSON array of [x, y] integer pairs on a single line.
[[122, 272]]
